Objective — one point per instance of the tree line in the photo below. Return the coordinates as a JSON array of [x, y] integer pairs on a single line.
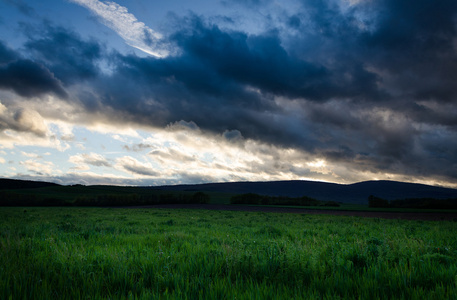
[[420, 203], [257, 199], [11, 198]]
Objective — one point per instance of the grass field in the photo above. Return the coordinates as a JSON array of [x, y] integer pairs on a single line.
[[107, 253]]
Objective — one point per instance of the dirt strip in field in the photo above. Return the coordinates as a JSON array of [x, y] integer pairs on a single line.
[[430, 216]]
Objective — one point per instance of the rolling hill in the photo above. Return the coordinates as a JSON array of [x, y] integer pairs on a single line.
[[15, 184], [356, 193]]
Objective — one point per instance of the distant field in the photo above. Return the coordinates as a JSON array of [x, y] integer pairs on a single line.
[[107, 253], [360, 207], [79, 195]]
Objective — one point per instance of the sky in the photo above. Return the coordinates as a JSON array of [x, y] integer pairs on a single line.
[[144, 92]]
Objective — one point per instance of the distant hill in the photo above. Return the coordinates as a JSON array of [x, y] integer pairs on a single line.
[[356, 193], [15, 184]]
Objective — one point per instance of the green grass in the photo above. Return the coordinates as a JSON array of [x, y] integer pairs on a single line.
[[107, 253]]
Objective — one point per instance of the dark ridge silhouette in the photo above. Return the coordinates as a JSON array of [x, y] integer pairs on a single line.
[[16, 184], [356, 193]]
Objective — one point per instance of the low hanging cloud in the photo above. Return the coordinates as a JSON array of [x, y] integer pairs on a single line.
[[134, 32]]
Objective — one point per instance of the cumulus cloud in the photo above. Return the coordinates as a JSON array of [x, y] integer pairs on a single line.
[[29, 120], [27, 127], [82, 161], [31, 155], [132, 165], [45, 168], [134, 32], [22, 120]]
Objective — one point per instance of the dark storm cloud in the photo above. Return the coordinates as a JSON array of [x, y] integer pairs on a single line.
[[414, 27], [228, 79], [415, 42], [372, 84], [258, 61], [26, 77], [29, 79], [6, 54], [69, 57], [261, 61]]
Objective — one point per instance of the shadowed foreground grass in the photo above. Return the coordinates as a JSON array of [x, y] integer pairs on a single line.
[[103, 253]]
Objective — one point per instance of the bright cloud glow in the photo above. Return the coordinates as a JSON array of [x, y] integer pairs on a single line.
[[317, 164]]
